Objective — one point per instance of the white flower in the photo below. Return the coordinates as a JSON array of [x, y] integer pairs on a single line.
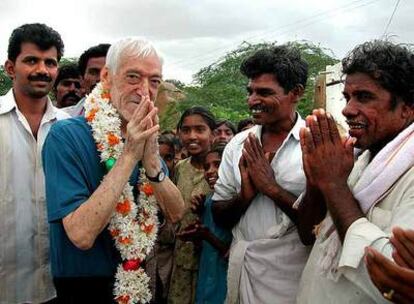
[[131, 240]]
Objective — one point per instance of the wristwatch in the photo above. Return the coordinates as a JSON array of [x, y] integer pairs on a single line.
[[158, 178]]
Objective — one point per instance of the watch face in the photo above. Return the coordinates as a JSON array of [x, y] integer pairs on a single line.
[[161, 176]]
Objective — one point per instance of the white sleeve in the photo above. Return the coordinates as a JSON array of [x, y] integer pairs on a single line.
[[363, 233], [225, 187]]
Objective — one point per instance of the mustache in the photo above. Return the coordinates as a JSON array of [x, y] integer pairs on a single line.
[[71, 95], [40, 77]]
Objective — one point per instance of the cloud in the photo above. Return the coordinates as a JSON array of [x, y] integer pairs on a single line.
[[193, 34]]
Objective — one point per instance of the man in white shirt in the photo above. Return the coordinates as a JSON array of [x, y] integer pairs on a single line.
[[260, 177], [26, 114], [359, 203]]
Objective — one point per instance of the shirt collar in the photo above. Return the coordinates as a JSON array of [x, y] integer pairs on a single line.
[[8, 103], [300, 123]]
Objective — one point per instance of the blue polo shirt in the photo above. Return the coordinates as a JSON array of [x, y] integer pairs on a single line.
[[73, 171]]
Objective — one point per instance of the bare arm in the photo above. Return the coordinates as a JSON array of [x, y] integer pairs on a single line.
[[342, 206], [283, 199], [167, 194], [85, 223], [228, 213], [327, 162], [197, 231], [311, 212], [170, 200], [218, 244], [263, 179]]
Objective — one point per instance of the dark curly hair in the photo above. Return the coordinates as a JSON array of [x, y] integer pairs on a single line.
[[283, 61], [217, 148], [390, 65], [99, 50], [37, 33], [207, 116], [69, 70], [228, 124], [244, 123]]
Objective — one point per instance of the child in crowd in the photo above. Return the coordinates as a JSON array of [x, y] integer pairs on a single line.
[[158, 264], [212, 273], [224, 131], [195, 130], [167, 152]]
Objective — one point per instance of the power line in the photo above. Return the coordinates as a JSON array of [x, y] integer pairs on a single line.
[[392, 16], [278, 29], [302, 23]]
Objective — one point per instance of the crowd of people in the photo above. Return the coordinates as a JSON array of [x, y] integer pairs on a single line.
[[99, 205]]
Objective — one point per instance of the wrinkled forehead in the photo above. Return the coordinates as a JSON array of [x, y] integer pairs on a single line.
[[362, 82], [150, 64]]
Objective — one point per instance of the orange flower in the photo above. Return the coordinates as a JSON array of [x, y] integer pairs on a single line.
[[147, 228], [123, 299], [106, 95], [91, 115], [114, 232], [125, 240], [100, 147], [147, 189], [113, 139], [123, 208]]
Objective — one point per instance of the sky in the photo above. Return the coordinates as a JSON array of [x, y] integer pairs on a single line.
[[192, 34]]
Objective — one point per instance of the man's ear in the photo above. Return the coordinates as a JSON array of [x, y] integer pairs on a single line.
[[407, 111], [297, 92], [106, 78], [9, 68]]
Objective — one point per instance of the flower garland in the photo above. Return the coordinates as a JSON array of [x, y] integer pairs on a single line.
[[134, 228]]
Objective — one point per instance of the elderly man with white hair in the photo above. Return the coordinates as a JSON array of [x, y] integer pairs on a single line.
[[103, 181]]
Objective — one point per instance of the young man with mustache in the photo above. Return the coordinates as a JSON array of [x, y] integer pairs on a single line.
[[260, 177], [26, 115]]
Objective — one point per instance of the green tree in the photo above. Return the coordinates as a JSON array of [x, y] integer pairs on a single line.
[[5, 81], [222, 88]]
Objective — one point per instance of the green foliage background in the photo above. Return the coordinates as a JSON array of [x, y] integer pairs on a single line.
[[5, 82], [221, 87]]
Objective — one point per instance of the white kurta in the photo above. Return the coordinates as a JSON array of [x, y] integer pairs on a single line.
[[349, 282], [266, 256], [25, 275]]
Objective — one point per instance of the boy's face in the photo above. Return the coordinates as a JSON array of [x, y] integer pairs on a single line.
[[211, 166], [167, 154]]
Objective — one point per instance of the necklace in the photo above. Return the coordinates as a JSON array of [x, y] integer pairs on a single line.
[[133, 226]]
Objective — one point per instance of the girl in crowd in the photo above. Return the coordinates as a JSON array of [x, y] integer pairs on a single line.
[[195, 129], [212, 273]]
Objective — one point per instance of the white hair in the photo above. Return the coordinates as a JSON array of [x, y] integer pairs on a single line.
[[131, 47]]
